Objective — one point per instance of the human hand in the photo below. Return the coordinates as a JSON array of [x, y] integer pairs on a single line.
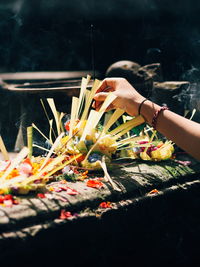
[[127, 97]]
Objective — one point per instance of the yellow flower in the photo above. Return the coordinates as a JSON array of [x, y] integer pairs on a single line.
[[163, 153], [144, 156], [106, 145]]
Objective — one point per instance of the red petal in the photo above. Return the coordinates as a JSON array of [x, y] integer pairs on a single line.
[[71, 191], [154, 191], [65, 214], [8, 197], [105, 205], [40, 195], [94, 183], [67, 125]]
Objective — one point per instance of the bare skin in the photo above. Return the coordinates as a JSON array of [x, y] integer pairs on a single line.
[[185, 133]]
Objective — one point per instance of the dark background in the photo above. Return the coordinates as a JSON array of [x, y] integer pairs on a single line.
[[77, 34]]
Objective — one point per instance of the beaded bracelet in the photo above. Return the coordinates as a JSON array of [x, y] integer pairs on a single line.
[[155, 116], [139, 109]]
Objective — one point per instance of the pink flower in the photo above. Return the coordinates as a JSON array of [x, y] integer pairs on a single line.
[[25, 168]]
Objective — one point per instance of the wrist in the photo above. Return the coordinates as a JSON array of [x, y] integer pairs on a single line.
[[148, 109], [140, 105], [134, 105]]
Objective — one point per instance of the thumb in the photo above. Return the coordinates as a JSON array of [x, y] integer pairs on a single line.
[[100, 96]]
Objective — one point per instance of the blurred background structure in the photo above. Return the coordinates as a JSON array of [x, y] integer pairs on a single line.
[[75, 35]]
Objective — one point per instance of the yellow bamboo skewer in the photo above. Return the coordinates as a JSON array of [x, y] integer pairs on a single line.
[[56, 143], [40, 147], [115, 116], [63, 165], [55, 113], [50, 124], [30, 140], [89, 99], [84, 84], [73, 114], [35, 127], [132, 123], [3, 149], [95, 116]]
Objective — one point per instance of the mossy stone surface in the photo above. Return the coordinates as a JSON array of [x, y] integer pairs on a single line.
[[134, 178]]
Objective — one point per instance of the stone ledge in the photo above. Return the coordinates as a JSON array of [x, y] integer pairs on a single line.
[[129, 232], [135, 179]]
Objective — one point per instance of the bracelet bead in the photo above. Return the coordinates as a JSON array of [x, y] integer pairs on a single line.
[[156, 114]]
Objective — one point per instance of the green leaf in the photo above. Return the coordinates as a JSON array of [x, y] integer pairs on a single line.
[[138, 129]]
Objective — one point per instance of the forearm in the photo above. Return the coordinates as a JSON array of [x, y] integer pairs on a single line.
[[183, 132]]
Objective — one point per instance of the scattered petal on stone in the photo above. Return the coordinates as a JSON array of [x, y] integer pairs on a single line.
[[65, 215], [154, 191], [61, 198], [58, 189], [183, 162], [71, 191], [41, 195], [94, 183], [63, 187], [105, 205]]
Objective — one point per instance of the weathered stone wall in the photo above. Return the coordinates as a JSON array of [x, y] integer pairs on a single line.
[[141, 227]]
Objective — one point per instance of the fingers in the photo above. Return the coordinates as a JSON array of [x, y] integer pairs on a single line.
[[107, 85], [97, 106], [102, 87], [99, 98]]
